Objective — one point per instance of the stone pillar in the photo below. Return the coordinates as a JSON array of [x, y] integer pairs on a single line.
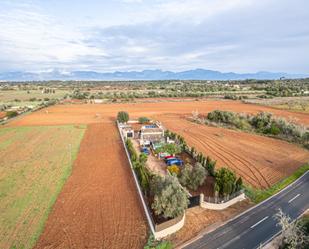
[[201, 199]]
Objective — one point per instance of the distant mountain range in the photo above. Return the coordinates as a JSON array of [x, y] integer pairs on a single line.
[[196, 74]]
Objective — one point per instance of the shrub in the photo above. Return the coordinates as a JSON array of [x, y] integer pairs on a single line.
[[154, 244], [193, 177], [266, 123], [192, 151], [185, 175], [143, 175], [167, 133], [123, 117], [238, 184], [143, 158], [169, 148], [225, 179], [173, 169], [79, 95], [139, 165], [198, 176], [210, 166], [143, 120], [232, 97], [293, 232], [305, 139], [132, 152], [262, 122], [170, 134], [274, 129], [11, 114], [229, 118], [50, 102], [170, 199]]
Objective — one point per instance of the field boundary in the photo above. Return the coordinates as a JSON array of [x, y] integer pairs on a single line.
[[61, 155]]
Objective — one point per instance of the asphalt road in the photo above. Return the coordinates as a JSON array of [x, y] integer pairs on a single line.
[[258, 225]]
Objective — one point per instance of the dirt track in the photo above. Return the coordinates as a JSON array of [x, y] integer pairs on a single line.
[[98, 206], [261, 161]]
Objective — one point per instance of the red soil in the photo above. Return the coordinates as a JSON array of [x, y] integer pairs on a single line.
[[261, 161], [94, 113], [98, 206], [2, 115]]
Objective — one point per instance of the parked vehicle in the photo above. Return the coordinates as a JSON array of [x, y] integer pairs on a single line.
[[175, 161], [145, 150], [162, 155], [168, 157]]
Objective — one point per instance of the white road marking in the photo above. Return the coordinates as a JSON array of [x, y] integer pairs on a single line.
[[294, 198], [259, 222]]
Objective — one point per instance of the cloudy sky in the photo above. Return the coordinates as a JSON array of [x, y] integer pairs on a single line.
[[101, 35]]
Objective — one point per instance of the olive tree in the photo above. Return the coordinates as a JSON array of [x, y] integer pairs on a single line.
[[198, 176], [170, 199], [193, 177], [123, 117], [293, 234], [143, 120], [185, 175]]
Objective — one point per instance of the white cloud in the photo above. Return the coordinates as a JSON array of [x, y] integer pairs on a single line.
[[30, 36], [200, 9], [132, 1], [239, 35]]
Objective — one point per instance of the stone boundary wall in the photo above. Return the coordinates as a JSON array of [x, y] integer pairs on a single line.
[[220, 206], [158, 230]]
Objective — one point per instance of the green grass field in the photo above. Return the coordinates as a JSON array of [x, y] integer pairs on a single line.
[[22, 95], [35, 163]]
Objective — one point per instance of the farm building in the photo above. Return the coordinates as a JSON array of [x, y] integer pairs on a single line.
[[151, 133], [127, 131]]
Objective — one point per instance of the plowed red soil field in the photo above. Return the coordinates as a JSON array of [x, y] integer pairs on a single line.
[[98, 206], [261, 161], [92, 113], [2, 114]]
